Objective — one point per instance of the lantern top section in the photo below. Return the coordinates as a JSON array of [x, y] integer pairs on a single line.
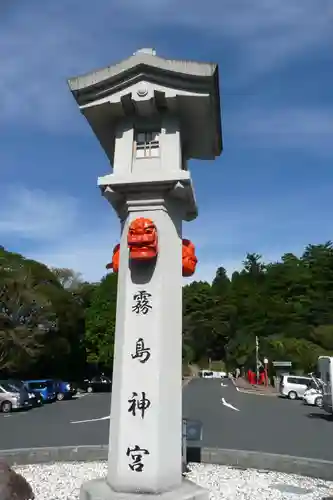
[[145, 87]]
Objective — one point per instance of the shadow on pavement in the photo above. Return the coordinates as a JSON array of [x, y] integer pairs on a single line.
[[320, 416]]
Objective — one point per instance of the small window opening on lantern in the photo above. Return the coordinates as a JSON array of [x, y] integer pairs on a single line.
[[147, 144]]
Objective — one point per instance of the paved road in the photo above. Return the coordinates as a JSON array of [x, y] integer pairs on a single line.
[[269, 424], [261, 423], [51, 424]]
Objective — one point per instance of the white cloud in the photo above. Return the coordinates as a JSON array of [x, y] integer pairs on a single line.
[[36, 215], [86, 253], [306, 127], [263, 35], [42, 44], [59, 232], [87, 249]]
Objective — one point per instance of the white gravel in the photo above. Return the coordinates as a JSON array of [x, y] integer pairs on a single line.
[[62, 481]]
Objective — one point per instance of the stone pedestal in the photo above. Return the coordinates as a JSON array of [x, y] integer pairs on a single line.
[[99, 489], [146, 408]]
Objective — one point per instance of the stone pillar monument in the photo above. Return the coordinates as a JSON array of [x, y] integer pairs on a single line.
[[150, 115]]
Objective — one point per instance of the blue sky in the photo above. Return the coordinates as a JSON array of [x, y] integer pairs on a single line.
[[269, 192]]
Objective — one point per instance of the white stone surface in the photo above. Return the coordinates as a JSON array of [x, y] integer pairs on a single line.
[[62, 481], [160, 377], [185, 68], [188, 89]]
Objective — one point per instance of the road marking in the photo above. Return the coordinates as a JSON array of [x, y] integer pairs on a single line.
[[224, 385], [102, 418], [228, 405], [91, 420], [268, 394]]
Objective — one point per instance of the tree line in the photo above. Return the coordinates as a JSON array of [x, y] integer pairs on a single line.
[[52, 323]]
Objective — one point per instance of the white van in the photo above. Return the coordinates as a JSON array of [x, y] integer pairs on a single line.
[[294, 386], [212, 374]]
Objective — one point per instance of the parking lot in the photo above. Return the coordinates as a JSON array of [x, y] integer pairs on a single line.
[[235, 420], [51, 425], [230, 420]]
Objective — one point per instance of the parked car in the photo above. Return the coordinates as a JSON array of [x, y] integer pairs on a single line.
[[35, 398], [314, 394], [45, 387], [97, 384], [64, 390], [294, 386], [13, 397], [212, 374], [313, 397]]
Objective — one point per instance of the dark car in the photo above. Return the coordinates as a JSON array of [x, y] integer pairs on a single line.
[[97, 384], [64, 390], [44, 387], [35, 398]]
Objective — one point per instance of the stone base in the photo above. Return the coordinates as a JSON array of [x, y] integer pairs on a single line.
[[98, 489]]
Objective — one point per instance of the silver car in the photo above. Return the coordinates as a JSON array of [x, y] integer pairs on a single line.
[[294, 386], [12, 397]]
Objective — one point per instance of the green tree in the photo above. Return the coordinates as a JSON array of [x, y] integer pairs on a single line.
[[221, 282], [41, 323], [100, 323], [205, 323], [69, 279], [322, 336], [47, 316], [26, 315], [318, 259]]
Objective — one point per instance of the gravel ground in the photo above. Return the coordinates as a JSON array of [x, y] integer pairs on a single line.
[[62, 481]]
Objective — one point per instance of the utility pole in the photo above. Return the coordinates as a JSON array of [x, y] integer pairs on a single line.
[[266, 371], [257, 358]]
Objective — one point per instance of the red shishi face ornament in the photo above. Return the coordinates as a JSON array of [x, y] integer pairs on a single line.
[[115, 259], [142, 239], [189, 259], [143, 246]]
